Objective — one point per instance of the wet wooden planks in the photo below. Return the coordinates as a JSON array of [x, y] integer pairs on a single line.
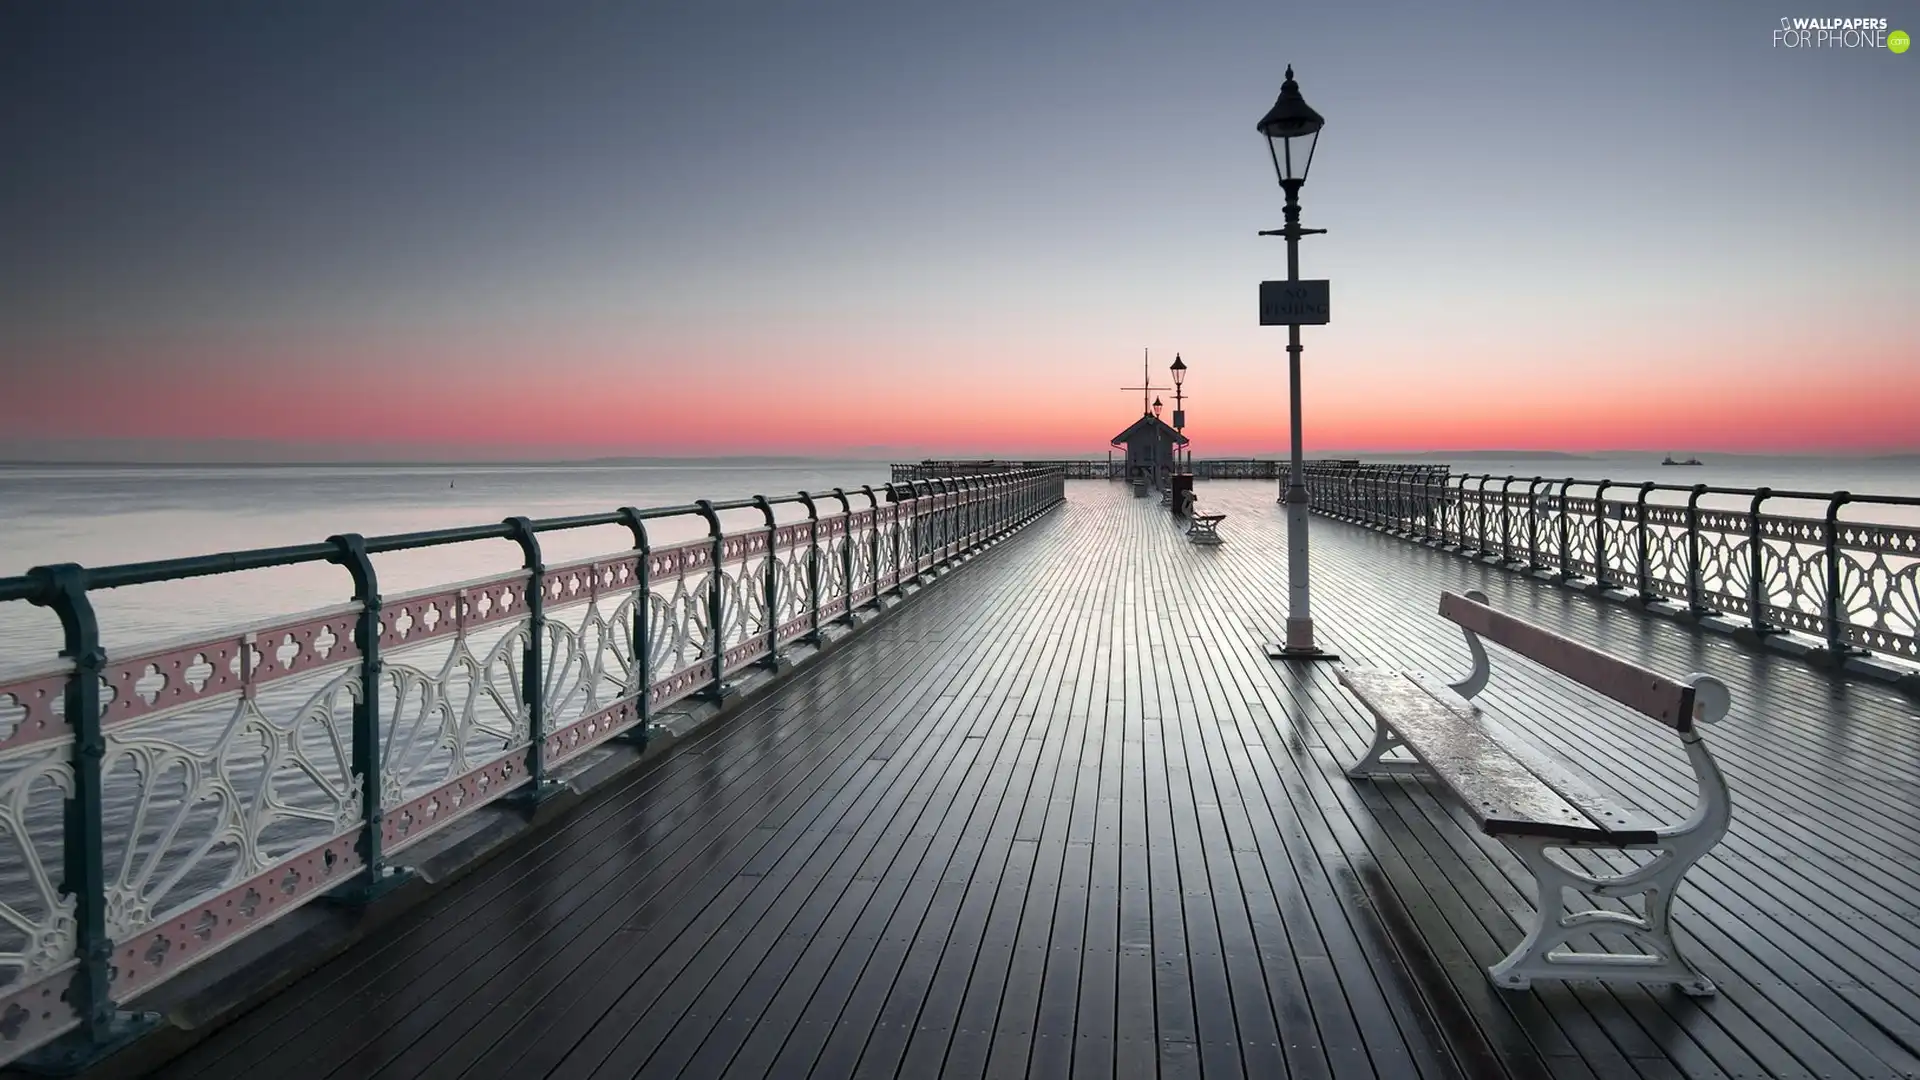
[[1060, 818]]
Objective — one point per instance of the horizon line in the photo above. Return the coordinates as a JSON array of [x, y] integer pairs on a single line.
[[905, 457]]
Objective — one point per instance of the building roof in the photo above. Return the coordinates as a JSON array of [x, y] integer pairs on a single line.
[[1148, 425]]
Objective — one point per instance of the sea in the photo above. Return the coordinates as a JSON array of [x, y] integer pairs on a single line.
[[99, 515], [102, 515]]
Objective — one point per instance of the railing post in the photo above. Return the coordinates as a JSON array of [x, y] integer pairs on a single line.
[[963, 488], [1600, 578], [533, 683], [1533, 523], [982, 494], [1434, 509], [899, 545], [1506, 521], [1566, 533], [967, 489], [770, 584], [103, 1028], [350, 552], [935, 485], [935, 529], [1480, 515], [1643, 552], [1838, 648], [716, 603], [1696, 603], [873, 541], [922, 524], [846, 556], [1756, 566], [930, 541], [813, 565], [642, 608]]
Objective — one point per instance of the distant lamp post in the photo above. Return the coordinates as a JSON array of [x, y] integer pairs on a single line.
[[1156, 408], [1179, 369], [1292, 129]]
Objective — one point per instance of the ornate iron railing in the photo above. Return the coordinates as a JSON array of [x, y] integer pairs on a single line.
[[160, 805], [1853, 584]]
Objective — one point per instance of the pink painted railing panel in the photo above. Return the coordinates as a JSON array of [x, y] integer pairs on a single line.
[[203, 929], [30, 709], [37, 1012], [580, 582], [590, 731], [418, 818], [591, 694], [201, 670], [410, 620]]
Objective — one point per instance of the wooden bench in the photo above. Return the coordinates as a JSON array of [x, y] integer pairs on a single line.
[[1204, 528], [1533, 804]]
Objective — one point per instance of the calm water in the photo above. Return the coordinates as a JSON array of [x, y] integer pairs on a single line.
[[103, 515], [98, 516], [1858, 475]]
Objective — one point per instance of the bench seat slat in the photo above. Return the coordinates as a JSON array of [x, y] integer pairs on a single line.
[[1624, 825], [1504, 795]]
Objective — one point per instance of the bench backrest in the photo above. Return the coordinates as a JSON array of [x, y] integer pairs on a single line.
[[1664, 699]]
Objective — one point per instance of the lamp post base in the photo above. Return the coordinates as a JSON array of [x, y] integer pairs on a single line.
[[1299, 644], [1277, 651]]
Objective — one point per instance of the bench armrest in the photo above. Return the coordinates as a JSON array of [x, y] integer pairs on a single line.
[[1475, 680]]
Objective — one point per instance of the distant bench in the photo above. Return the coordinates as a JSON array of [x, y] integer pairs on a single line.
[[1532, 803], [1201, 528]]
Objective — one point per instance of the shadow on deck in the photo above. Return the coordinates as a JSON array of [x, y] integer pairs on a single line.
[[1062, 818]]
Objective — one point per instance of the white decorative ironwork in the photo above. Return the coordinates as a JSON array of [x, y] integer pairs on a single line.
[[229, 787], [203, 796], [443, 721], [1856, 585], [36, 919]]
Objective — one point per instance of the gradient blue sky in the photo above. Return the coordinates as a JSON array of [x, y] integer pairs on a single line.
[[724, 226]]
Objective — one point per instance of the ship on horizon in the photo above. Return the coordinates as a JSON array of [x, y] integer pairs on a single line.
[[1690, 461]]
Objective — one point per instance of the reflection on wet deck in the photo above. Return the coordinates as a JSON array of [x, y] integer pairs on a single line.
[[1060, 817]]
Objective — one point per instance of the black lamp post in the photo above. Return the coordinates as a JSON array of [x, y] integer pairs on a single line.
[[1292, 129], [1179, 369]]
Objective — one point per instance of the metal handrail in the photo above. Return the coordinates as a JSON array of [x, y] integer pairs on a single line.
[[1855, 585], [385, 718]]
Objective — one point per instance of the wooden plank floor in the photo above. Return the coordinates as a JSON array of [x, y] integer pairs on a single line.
[[1060, 818]]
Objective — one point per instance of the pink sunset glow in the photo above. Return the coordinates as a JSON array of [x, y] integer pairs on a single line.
[[965, 244], [759, 397]]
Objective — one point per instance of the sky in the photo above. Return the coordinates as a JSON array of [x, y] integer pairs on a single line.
[[564, 229]]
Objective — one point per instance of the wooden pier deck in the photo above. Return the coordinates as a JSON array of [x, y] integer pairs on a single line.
[[1059, 817]]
